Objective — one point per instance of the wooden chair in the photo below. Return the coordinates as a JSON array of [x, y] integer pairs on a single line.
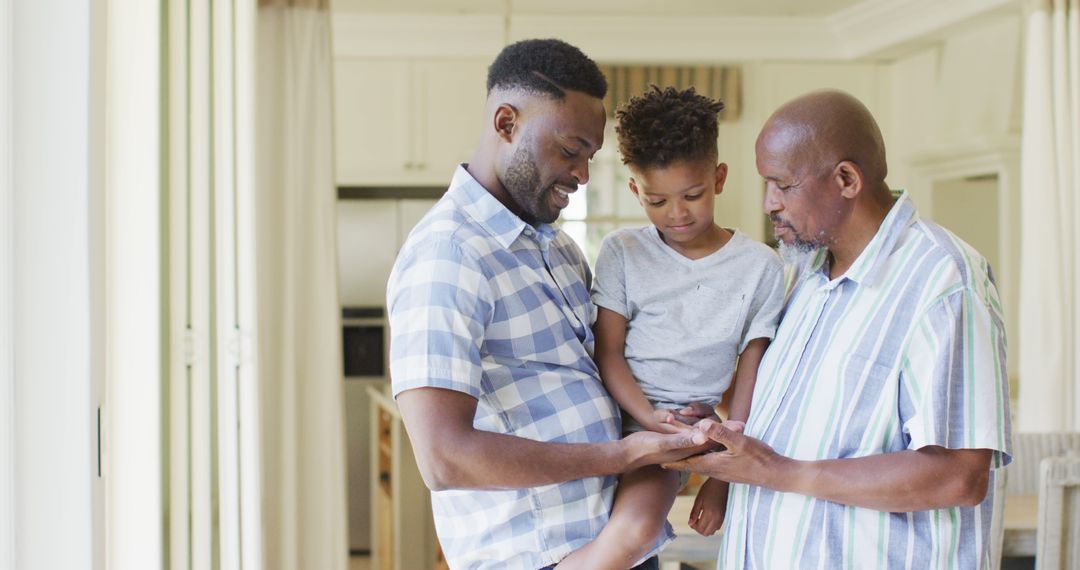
[[1029, 449], [1022, 486]]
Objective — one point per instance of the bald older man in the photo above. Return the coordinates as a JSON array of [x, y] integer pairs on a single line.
[[881, 407]]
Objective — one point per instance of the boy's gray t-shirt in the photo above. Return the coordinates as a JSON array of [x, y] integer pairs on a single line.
[[688, 319]]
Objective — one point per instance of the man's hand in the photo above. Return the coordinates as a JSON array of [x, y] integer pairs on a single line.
[[708, 512], [745, 459], [931, 477], [649, 448]]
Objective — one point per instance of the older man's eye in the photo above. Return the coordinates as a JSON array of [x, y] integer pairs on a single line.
[[568, 153]]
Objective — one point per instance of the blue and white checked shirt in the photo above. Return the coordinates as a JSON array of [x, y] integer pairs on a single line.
[[905, 350], [482, 303]]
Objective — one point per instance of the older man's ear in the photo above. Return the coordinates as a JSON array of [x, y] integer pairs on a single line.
[[849, 178]]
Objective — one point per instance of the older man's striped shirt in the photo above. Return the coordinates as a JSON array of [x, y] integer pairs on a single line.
[[905, 350], [484, 304]]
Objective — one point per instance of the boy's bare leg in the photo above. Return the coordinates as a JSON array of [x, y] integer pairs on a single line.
[[642, 501]]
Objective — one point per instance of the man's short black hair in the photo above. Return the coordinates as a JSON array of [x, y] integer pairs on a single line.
[[659, 127], [546, 66]]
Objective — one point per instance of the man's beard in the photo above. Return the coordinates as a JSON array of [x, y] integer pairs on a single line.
[[522, 182], [799, 246], [795, 252]]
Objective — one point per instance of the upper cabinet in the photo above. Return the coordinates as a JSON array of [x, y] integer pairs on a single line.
[[405, 122]]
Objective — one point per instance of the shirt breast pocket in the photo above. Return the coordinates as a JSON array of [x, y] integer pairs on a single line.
[[714, 313], [869, 388]]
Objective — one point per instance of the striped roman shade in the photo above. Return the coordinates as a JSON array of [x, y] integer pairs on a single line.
[[722, 82]]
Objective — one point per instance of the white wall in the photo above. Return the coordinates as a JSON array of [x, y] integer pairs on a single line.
[[955, 112], [7, 364], [54, 461], [132, 295], [958, 95]]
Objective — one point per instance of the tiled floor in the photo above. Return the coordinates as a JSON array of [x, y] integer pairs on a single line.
[[359, 563]]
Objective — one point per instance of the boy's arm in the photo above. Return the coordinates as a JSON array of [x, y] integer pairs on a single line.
[[742, 388], [709, 506], [615, 372]]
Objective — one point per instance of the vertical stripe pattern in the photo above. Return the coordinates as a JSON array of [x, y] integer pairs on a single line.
[[905, 350]]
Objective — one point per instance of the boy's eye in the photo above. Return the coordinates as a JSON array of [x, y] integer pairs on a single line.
[[657, 203], [693, 196]]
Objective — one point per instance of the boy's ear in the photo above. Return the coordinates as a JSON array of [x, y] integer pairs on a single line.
[[506, 121], [633, 187], [721, 177]]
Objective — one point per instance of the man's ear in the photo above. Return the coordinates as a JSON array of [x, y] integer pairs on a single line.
[[721, 178], [506, 121], [849, 178]]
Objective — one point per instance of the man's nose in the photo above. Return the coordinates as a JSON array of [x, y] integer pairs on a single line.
[[580, 172], [771, 203]]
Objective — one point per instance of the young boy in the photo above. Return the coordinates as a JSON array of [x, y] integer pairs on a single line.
[[686, 310]]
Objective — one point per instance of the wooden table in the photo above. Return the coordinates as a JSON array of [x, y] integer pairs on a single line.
[[1021, 518]]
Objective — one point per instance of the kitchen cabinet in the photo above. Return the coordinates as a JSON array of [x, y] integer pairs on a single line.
[[358, 428], [403, 536], [370, 233], [405, 122], [367, 246]]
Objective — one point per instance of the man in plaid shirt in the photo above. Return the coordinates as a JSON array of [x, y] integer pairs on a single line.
[[491, 345]]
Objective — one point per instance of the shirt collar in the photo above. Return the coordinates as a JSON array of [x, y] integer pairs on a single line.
[[487, 211], [867, 266]]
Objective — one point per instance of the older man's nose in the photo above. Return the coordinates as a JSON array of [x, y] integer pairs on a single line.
[[771, 203]]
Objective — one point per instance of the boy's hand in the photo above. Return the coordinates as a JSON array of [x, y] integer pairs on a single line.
[[667, 422], [709, 506], [695, 412]]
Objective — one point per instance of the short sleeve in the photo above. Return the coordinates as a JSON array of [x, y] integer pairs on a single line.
[[609, 284], [763, 315], [439, 304], [954, 389]]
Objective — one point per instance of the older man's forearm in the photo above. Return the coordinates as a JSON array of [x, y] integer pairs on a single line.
[[905, 481]]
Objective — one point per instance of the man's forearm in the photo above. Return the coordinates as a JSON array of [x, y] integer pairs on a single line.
[[485, 460], [930, 478]]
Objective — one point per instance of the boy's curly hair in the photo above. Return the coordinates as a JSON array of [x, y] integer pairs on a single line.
[[659, 127]]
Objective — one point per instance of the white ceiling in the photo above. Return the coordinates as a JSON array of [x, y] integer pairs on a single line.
[[743, 8]]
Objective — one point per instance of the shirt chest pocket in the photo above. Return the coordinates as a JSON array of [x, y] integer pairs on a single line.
[[712, 313]]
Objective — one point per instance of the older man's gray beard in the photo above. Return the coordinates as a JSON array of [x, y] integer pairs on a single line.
[[795, 252]]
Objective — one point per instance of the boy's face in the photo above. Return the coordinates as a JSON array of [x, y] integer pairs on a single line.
[[678, 198]]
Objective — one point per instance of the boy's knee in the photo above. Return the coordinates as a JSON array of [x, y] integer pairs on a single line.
[[637, 536]]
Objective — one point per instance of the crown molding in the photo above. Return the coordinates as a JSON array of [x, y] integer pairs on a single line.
[[643, 39], [872, 29], [882, 29], [364, 35]]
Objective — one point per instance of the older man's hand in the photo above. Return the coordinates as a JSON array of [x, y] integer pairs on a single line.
[[745, 459]]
